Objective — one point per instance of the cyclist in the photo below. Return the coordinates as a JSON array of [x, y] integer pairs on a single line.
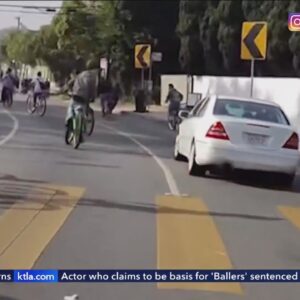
[[38, 87], [86, 89], [174, 97], [8, 84]]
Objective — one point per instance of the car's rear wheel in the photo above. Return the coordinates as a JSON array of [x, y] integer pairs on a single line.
[[177, 155], [193, 167]]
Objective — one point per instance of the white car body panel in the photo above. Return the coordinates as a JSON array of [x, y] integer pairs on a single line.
[[241, 151]]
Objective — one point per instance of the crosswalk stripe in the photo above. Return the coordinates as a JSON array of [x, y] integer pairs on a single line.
[[187, 238], [27, 227]]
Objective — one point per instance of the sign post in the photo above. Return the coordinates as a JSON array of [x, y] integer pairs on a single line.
[[252, 77], [253, 45], [142, 79], [142, 59], [150, 73]]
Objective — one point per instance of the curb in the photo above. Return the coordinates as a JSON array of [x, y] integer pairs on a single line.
[[119, 108]]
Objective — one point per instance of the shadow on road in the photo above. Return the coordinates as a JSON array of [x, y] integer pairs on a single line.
[[14, 190], [160, 118], [16, 179], [87, 165], [168, 210], [7, 298], [259, 180]]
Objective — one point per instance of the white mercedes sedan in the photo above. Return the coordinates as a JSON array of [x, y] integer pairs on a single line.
[[238, 133]]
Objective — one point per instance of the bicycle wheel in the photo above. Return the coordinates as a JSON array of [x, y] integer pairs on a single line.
[[41, 106], [69, 133], [90, 122], [29, 104], [77, 132]]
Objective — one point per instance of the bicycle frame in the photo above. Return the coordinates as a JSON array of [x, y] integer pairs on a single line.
[[78, 121]]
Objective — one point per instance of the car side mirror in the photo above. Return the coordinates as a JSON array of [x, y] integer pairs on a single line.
[[183, 114]]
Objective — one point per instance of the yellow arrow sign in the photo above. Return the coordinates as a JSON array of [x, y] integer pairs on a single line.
[[142, 57], [254, 41]]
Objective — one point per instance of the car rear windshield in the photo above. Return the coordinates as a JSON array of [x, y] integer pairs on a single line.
[[250, 110]]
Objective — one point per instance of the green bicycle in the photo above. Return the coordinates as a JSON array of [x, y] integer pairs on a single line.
[[78, 125]]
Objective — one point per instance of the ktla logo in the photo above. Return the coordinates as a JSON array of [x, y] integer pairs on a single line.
[[294, 22]]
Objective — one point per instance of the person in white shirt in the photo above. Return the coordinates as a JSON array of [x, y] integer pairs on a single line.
[[38, 87]]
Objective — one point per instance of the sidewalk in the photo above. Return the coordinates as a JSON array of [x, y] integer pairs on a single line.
[[120, 108]]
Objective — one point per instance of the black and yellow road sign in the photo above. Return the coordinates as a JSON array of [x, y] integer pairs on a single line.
[[142, 56], [254, 41]]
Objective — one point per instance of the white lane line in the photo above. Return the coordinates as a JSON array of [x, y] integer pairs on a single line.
[[13, 131], [173, 187]]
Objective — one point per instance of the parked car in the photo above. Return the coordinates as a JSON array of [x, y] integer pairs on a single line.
[[238, 133]]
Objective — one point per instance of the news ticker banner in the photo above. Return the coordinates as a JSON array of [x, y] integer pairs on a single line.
[[54, 276]]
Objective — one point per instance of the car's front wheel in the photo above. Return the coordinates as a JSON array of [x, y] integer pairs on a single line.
[[193, 168]]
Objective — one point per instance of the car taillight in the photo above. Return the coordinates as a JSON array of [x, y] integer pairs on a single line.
[[217, 131], [292, 142]]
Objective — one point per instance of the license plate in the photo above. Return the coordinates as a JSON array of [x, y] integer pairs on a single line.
[[256, 139]]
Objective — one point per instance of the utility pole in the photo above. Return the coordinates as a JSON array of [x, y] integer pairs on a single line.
[[18, 28]]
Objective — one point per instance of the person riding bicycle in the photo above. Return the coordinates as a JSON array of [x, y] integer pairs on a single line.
[[38, 87], [8, 83], [86, 89], [174, 97]]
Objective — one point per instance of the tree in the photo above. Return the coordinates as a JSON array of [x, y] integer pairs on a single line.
[[191, 50], [155, 27], [255, 10], [279, 55], [229, 34], [76, 30], [19, 47], [209, 26], [294, 41], [60, 62]]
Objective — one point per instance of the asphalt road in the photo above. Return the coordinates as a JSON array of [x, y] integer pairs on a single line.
[[106, 206]]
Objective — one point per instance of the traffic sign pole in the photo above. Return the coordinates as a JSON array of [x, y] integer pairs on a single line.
[[150, 71], [252, 77], [150, 77], [253, 45], [142, 78]]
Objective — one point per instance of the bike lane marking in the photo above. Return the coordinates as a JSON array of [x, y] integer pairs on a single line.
[[292, 214], [28, 226], [14, 129], [188, 239]]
